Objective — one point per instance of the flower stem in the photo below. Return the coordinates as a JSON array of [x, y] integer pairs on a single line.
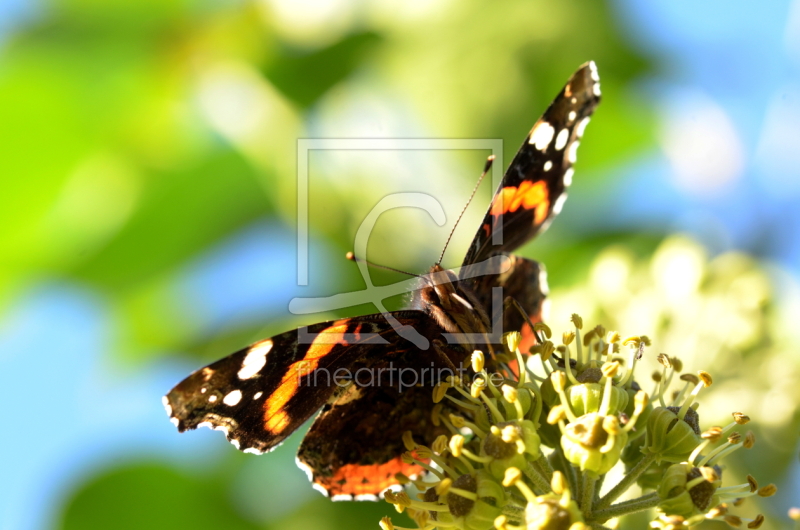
[[544, 467], [587, 493], [538, 479], [597, 487], [626, 482], [645, 502], [567, 469]]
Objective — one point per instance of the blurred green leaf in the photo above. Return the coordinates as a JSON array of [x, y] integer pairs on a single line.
[[181, 213], [305, 76], [151, 496]]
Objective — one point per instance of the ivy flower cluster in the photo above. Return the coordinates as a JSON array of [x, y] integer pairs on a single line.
[[533, 452]]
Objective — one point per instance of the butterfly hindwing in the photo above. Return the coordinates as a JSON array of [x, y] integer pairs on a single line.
[[534, 186], [353, 447]]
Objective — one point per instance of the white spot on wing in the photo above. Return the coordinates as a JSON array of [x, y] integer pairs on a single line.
[[582, 126], [559, 204], [548, 165], [572, 151], [568, 176], [571, 116], [212, 398], [325, 492], [366, 497], [541, 135], [258, 395], [167, 406], [203, 390], [205, 424], [305, 467], [235, 443], [561, 139], [232, 398], [254, 451], [255, 359], [593, 71], [339, 497], [223, 429], [175, 421], [596, 89]]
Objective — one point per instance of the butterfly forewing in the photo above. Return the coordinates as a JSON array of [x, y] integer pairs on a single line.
[[262, 393], [533, 188]]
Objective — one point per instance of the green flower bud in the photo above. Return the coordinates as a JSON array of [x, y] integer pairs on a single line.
[[547, 512], [549, 394], [586, 398], [588, 445], [669, 437], [684, 490], [507, 454], [524, 399]]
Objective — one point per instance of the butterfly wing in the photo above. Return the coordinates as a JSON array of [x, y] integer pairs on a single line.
[[353, 449], [261, 394], [533, 188]]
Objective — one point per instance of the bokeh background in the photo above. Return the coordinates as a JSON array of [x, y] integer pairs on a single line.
[[148, 216]]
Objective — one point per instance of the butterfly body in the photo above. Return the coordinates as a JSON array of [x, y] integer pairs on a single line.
[[372, 376]]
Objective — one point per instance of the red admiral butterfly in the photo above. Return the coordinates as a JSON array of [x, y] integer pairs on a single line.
[[261, 394]]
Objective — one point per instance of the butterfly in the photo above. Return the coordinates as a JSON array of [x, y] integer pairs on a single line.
[[261, 394]]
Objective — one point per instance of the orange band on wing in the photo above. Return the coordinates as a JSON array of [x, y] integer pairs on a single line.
[[358, 479], [276, 418], [529, 195]]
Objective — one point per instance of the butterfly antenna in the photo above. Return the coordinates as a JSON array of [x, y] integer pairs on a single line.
[[352, 257], [486, 168]]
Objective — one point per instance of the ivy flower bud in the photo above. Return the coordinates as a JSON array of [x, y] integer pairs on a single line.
[[550, 511], [521, 396], [687, 491], [512, 444], [669, 437], [587, 397], [587, 444]]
